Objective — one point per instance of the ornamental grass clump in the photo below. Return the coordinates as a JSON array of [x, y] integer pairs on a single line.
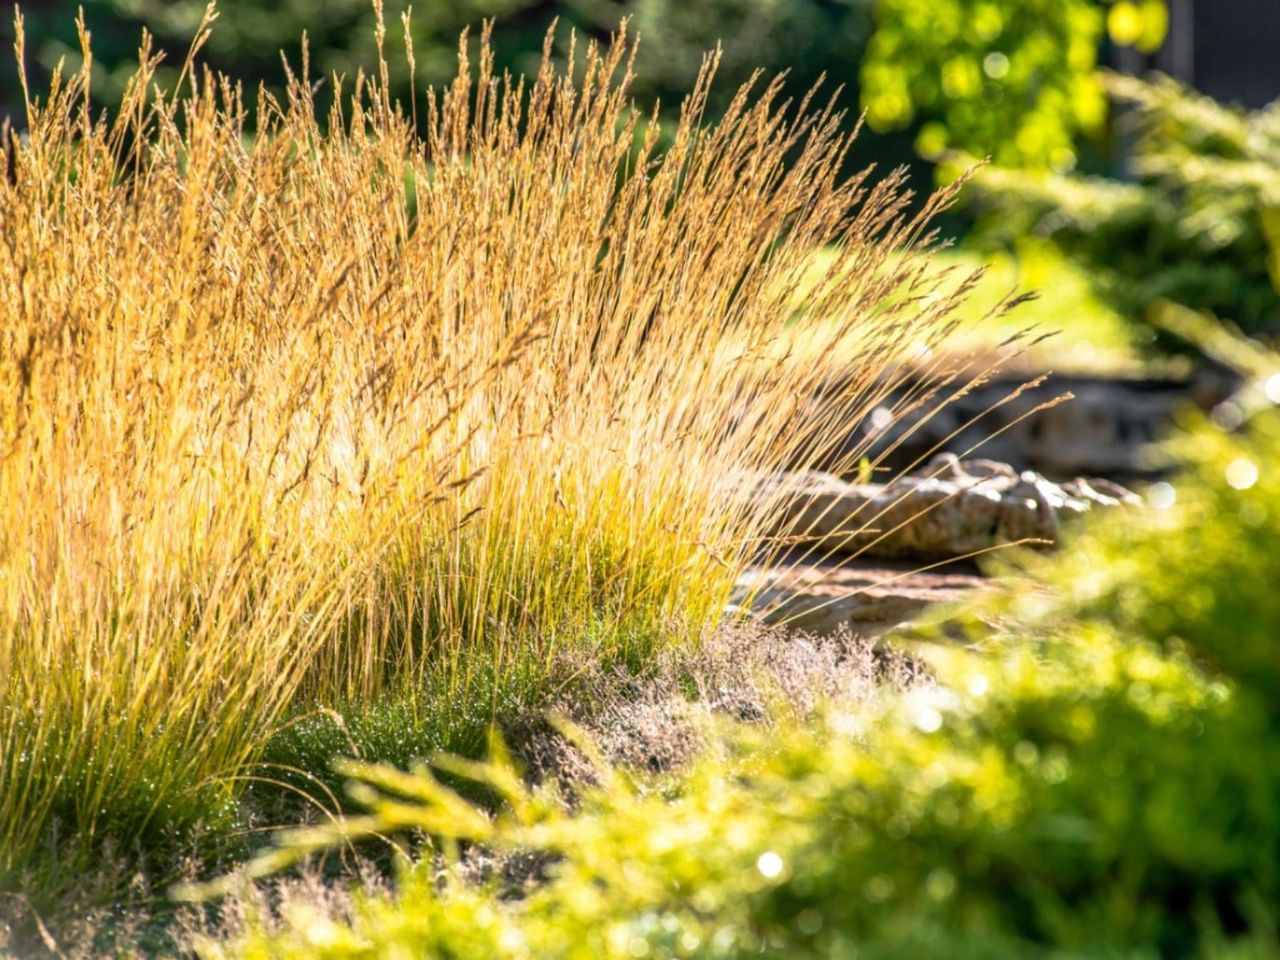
[[313, 413]]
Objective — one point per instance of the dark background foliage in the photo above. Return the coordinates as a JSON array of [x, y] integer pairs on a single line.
[[809, 39]]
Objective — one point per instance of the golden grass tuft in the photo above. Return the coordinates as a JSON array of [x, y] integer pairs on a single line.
[[294, 413]]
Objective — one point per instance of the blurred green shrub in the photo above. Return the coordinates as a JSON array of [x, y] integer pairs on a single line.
[[1099, 777], [1015, 82], [1198, 225]]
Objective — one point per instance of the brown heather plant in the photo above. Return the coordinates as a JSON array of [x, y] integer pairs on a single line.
[[301, 414]]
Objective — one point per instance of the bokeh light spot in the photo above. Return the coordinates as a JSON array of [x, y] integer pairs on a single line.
[[995, 65], [1162, 495], [1242, 473], [1272, 388], [770, 865]]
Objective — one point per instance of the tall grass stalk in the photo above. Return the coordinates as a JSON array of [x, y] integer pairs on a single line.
[[295, 413]]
